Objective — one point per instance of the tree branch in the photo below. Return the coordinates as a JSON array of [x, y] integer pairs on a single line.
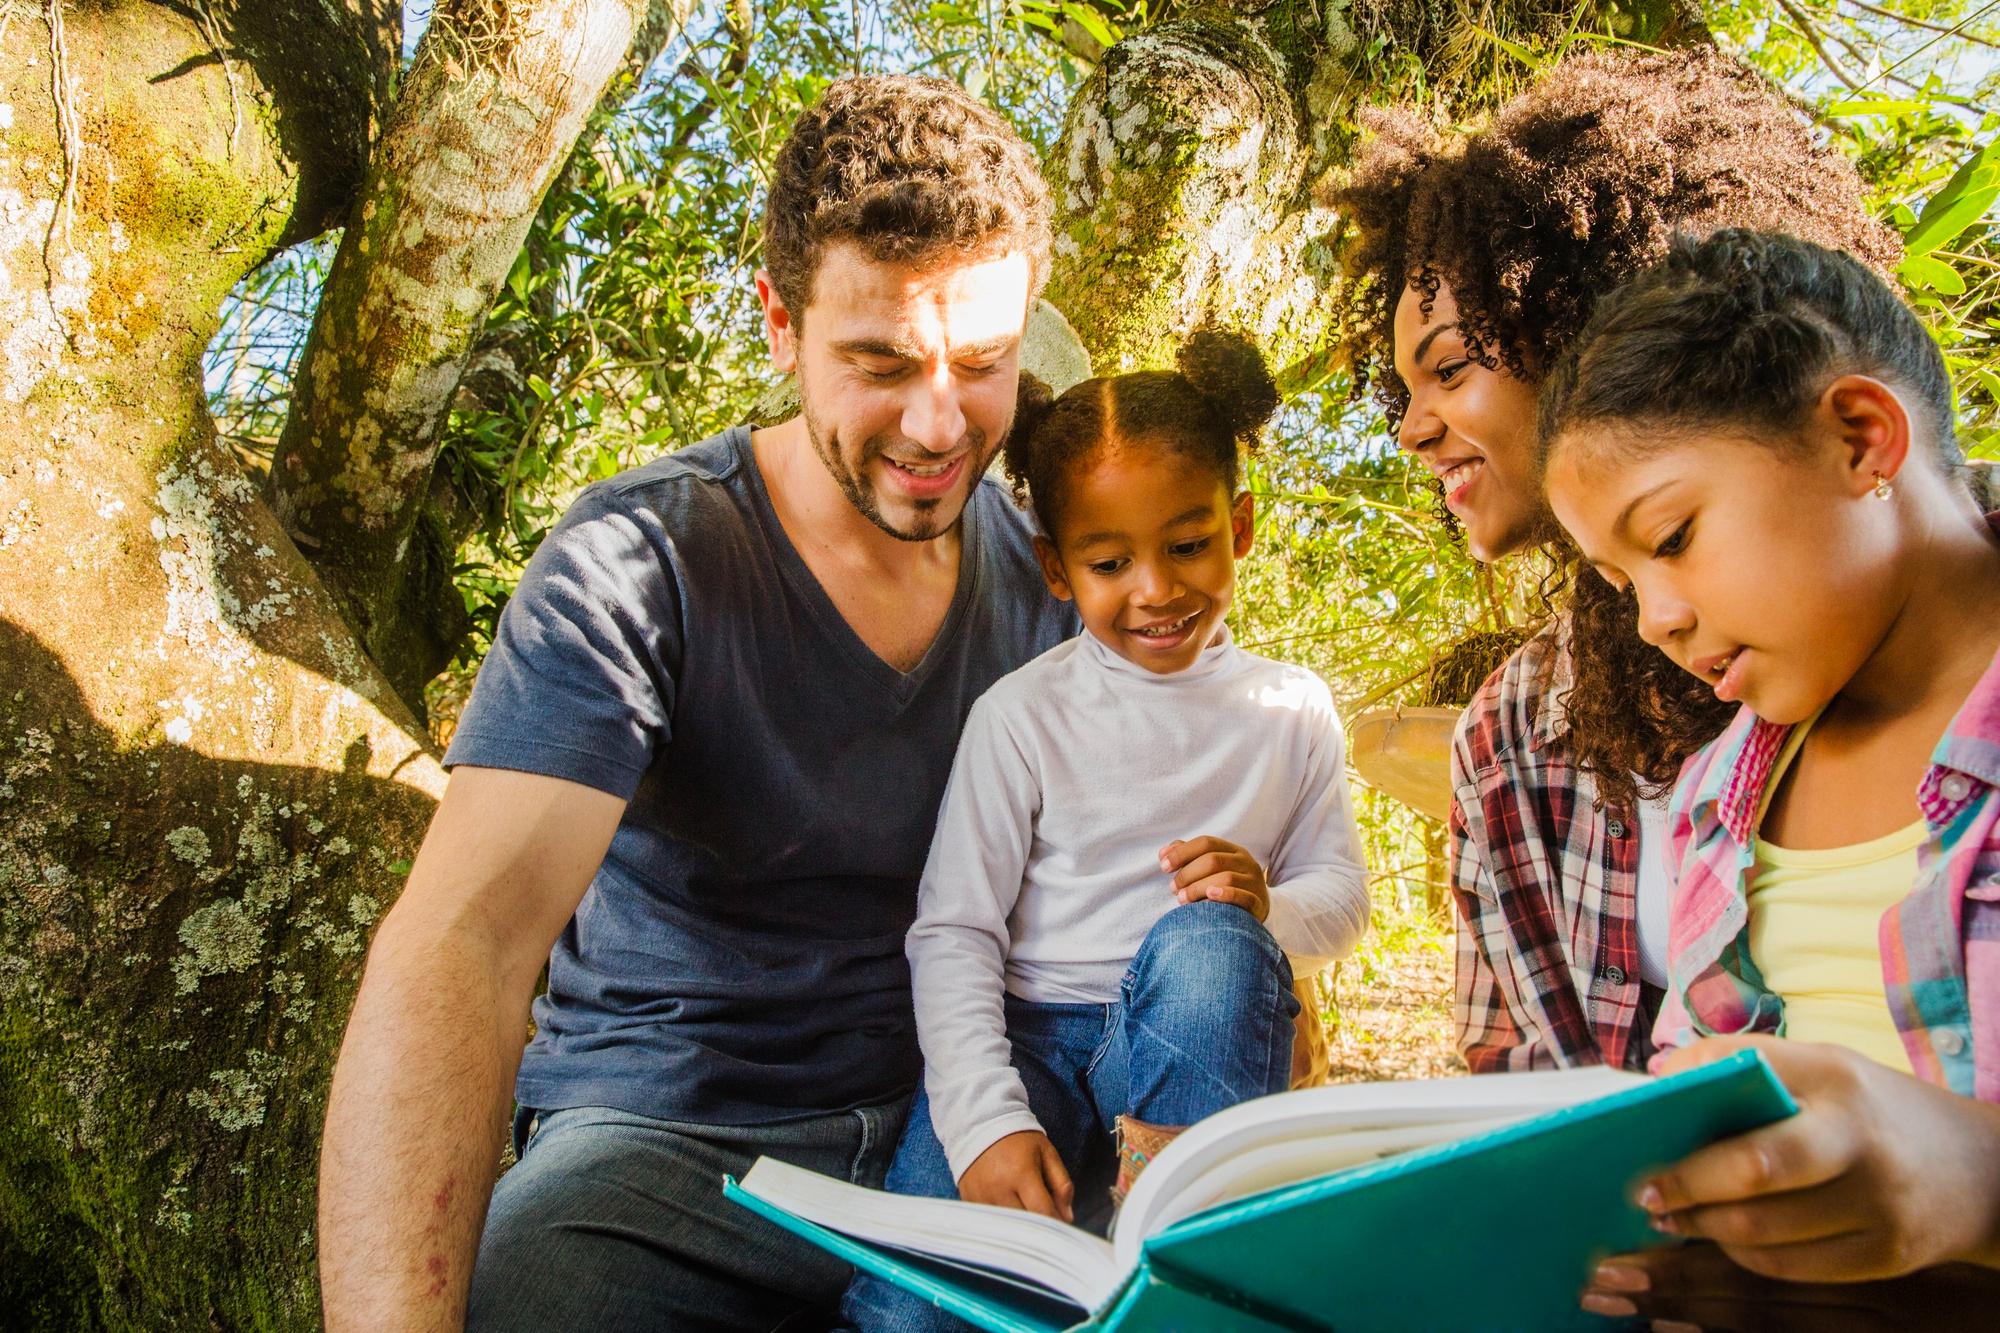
[[432, 237], [742, 34], [1811, 33], [1925, 24]]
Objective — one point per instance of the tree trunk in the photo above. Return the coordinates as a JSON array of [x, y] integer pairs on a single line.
[[489, 112], [204, 784], [1186, 177]]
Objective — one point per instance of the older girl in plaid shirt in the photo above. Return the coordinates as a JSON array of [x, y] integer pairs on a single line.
[[1757, 437]]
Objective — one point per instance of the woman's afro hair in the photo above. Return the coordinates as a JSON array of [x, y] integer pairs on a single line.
[[1575, 185]]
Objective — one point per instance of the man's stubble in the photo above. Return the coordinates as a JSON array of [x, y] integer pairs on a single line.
[[861, 493]]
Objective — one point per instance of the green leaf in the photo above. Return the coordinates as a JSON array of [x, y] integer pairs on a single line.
[[1872, 106], [1924, 271], [1092, 24], [1514, 49], [400, 868], [1962, 201]]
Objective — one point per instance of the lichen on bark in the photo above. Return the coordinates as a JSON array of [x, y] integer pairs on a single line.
[[203, 783], [486, 117], [1178, 182]]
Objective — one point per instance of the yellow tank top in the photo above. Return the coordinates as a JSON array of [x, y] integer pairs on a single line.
[[1814, 918]]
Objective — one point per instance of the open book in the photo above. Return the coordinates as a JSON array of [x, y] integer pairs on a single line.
[[1475, 1203]]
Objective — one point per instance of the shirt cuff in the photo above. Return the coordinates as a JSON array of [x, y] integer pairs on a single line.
[[1288, 926], [965, 1151]]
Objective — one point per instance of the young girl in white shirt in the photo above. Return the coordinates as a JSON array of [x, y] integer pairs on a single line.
[[1145, 831]]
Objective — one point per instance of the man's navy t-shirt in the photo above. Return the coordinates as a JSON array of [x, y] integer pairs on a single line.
[[739, 957]]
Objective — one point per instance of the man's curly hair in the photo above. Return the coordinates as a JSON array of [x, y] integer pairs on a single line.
[[912, 169], [1573, 187]]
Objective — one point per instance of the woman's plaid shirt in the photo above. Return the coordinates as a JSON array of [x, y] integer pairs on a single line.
[[1546, 884]]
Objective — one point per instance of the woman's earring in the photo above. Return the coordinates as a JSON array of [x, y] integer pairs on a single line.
[[1883, 490]]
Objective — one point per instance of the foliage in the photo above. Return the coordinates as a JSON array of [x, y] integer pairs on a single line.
[[1908, 94], [627, 326], [248, 373]]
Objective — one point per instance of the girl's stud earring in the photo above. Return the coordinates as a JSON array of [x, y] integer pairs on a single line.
[[1883, 490]]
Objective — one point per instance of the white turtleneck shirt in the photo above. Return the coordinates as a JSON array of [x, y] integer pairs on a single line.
[[1044, 873]]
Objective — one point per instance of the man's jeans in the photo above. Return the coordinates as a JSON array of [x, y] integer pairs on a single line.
[[1205, 1020], [613, 1222]]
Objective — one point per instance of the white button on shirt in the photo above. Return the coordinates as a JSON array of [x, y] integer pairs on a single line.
[[1947, 1041], [1954, 787]]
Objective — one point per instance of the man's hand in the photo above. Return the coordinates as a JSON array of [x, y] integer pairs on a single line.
[[1020, 1171], [1219, 871], [1878, 1174]]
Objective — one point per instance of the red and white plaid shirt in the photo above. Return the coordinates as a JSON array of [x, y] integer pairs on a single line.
[[1546, 884]]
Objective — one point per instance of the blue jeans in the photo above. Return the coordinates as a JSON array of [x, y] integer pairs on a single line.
[[615, 1223], [1204, 1021]]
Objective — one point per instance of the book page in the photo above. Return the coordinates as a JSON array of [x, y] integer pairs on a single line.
[[1293, 1136], [1067, 1260]]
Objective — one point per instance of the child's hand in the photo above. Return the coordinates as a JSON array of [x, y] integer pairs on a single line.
[[1219, 871], [1020, 1171], [1695, 1287], [1878, 1174]]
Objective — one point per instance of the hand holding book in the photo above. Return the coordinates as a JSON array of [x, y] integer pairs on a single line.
[[1879, 1173]]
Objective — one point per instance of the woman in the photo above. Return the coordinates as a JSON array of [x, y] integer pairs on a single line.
[[1478, 259]]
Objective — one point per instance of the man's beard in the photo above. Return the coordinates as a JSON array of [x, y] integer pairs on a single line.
[[860, 492]]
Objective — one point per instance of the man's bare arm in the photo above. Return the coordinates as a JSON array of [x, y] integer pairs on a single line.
[[421, 1094]]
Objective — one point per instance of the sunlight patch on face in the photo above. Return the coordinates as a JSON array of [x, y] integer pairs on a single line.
[[908, 377]]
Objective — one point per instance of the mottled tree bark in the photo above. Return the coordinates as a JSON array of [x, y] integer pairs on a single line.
[[1186, 177], [204, 783], [490, 111]]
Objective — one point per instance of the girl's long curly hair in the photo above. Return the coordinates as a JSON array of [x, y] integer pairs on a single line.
[[1574, 186]]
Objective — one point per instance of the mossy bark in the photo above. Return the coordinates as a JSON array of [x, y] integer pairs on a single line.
[[1186, 179], [489, 112], [204, 783]]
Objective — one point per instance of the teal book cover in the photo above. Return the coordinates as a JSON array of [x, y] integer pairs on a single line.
[[1491, 1234]]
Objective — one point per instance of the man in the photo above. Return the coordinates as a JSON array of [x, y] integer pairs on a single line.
[[702, 764]]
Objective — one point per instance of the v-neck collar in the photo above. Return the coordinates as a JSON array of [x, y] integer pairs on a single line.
[[901, 685]]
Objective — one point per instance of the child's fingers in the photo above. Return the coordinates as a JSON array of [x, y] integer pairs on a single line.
[[1808, 1149], [1256, 904], [1834, 1209], [1033, 1197], [1176, 855], [1061, 1190], [1238, 864], [1206, 866], [1207, 885], [1854, 1257], [1708, 1050]]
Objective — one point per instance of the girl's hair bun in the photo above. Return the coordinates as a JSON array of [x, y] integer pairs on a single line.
[[1033, 401], [1228, 371]]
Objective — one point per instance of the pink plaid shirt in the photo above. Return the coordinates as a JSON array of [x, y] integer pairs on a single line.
[[1940, 945]]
